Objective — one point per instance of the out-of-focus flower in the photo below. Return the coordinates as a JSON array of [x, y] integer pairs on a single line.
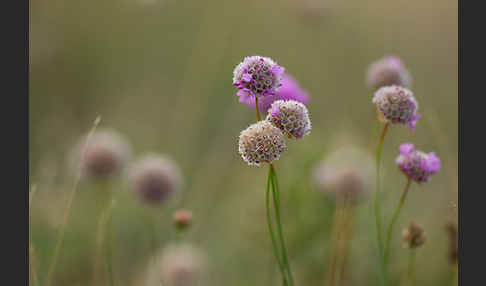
[[290, 116], [258, 77], [387, 71], [289, 90], [417, 165], [396, 104], [413, 235], [452, 233], [154, 179], [261, 142], [182, 219]]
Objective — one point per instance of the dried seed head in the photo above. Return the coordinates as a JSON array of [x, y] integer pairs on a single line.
[[257, 76], [417, 165], [387, 71], [154, 179], [182, 219], [346, 174], [291, 117], [396, 104], [261, 142], [289, 90], [106, 154], [413, 235], [452, 233]]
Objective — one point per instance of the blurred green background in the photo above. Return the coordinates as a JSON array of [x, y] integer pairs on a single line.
[[160, 73]]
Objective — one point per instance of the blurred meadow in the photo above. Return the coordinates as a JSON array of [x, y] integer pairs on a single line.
[[160, 73]]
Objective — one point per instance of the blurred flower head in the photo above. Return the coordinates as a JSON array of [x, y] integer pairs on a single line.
[[290, 116], [106, 154], [396, 104], [261, 142], [417, 165], [289, 90], [182, 219], [413, 235], [346, 174], [154, 179], [387, 71], [257, 76], [452, 233]]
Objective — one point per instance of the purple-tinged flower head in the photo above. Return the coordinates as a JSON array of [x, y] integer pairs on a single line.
[[154, 179], [261, 142], [413, 235], [387, 71], [291, 117], [289, 90], [345, 175], [417, 165], [106, 154], [258, 77], [182, 219], [396, 104]]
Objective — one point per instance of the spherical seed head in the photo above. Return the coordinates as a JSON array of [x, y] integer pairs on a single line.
[[154, 179], [257, 76], [452, 233], [182, 219], [396, 104], [290, 116], [346, 174], [417, 165], [289, 90], [106, 154], [261, 142], [413, 235], [387, 71]]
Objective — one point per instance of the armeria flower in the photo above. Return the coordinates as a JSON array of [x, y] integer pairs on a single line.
[[387, 71], [396, 104], [417, 165], [154, 179], [291, 117], [289, 90], [261, 142], [257, 76], [182, 219], [106, 154], [346, 174], [413, 235]]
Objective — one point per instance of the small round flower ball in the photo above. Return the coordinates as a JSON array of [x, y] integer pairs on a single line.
[[290, 116], [154, 179], [289, 90], [261, 142], [106, 154], [345, 175], [396, 104], [182, 219], [257, 76], [417, 165], [387, 71], [413, 235]]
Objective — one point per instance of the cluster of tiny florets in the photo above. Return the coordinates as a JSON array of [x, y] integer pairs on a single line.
[[388, 71], [291, 117], [154, 179], [413, 235], [396, 104], [257, 76], [261, 142], [417, 165]]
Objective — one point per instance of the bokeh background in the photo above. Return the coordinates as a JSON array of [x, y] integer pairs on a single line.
[[160, 73]]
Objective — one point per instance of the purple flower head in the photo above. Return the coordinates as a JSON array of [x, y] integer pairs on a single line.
[[386, 71], [396, 104], [289, 90], [257, 76], [291, 117], [417, 165]]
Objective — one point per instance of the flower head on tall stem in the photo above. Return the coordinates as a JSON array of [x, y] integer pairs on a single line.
[[387, 71], [396, 104], [417, 165], [290, 116], [258, 77]]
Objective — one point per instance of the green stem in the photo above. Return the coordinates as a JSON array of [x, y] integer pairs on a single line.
[[276, 201], [109, 245], [411, 266], [393, 221]]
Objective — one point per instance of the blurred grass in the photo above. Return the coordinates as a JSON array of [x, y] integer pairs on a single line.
[[161, 74]]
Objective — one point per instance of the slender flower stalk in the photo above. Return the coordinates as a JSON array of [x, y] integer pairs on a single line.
[[377, 193], [60, 237], [411, 266], [32, 267]]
